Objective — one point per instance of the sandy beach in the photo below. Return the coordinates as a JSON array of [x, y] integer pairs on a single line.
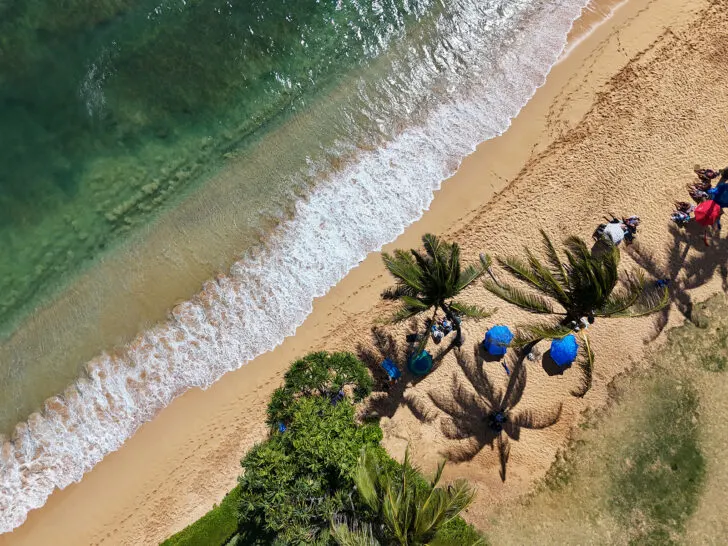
[[617, 128]]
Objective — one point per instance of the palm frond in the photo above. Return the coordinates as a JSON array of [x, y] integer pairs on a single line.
[[620, 300], [470, 311], [559, 270], [404, 268], [355, 534], [520, 298], [549, 283], [578, 247], [648, 300], [433, 245], [468, 275], [441, 506], [521, 270], [532, 333], [397, 291], [365, 478], [586, 364], [405, 313], [485, 261]]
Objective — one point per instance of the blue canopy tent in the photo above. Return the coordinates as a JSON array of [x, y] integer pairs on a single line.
[[719, 194], [564, 350], [420, 364], [497, 340]]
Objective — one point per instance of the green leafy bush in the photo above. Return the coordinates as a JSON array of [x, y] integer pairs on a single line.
[[319, 374], [458, 533], [294, 482]]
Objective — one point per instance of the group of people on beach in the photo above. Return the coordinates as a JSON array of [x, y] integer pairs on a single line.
[[707, 209], [440, 328], [708, 201]]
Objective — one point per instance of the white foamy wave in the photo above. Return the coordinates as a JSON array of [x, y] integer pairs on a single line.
[[266, 296]]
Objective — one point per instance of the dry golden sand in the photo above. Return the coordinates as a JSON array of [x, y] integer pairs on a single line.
[[617, 127]]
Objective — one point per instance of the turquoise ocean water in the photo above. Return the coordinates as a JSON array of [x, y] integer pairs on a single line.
[[145, 145]]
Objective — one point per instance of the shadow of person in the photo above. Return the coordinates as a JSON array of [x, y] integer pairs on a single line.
[[474, 413]]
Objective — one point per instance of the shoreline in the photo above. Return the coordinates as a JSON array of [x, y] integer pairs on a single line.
[[134, 289], [132, 513]]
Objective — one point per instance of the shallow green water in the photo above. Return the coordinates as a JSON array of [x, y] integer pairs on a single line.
[[112, 110]]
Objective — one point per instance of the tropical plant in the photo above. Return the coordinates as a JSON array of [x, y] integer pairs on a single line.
[[580, 288], [432, 280], [406, 510], [295, 481], [319, 374]]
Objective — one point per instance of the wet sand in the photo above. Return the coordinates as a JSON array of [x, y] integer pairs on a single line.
[[617, 127]]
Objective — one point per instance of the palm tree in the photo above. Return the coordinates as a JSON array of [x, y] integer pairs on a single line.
[[409, 512], [433, 280], [584, 286]]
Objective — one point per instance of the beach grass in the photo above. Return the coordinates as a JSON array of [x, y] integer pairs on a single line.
[[216, 527], [656, 476]]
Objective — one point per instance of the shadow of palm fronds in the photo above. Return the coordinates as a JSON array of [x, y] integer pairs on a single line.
[[696, 269], [475, 413], [387, 398]]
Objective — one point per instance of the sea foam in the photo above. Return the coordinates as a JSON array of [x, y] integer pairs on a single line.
[[269, 293]]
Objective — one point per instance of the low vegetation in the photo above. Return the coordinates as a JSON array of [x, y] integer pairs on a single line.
[[657, 474], [216, 527], [319, 374]]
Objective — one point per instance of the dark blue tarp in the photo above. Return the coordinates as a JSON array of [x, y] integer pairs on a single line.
[[564, 350], [497, 340]]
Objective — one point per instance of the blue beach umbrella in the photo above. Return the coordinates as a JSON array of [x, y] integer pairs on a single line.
[[497, 340], [564, 350], [420, 364]]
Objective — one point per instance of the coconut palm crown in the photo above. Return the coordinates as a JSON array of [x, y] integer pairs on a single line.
[[580, 285], [432, 280], [408, 511]]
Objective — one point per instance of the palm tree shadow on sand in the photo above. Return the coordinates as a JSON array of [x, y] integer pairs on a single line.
[[474, 413], [388, 397], [699, 268]]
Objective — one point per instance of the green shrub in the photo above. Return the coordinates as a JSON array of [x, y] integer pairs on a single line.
[[294, 482], [318, 374], [212, 529], [458, 533]]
